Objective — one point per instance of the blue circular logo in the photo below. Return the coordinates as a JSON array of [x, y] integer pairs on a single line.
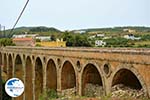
[[14, 87]]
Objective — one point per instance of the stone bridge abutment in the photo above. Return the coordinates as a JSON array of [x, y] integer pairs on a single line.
[[63, 68]]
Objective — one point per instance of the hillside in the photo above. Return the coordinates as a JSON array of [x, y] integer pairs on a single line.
[[41, 30], [117, 29], [113, 37]]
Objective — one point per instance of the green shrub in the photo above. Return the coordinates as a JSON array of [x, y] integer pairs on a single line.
[[38, 45], [49, 95], [5, 96], [6, 42]]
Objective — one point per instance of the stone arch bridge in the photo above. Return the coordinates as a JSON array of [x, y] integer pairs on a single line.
[[64, 68]]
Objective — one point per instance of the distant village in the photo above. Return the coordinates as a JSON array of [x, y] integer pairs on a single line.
[[100, 37], [36, 40], [46, 41]]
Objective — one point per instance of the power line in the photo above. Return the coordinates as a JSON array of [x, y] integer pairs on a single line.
[[18, 18]]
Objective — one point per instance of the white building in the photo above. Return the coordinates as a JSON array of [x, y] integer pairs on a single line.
[[100, 35], [100, 43], [97, 35], [44, 38], [131, 37], [19, 36], [129, 30], [79, 31], [25, 35], [91, 37]]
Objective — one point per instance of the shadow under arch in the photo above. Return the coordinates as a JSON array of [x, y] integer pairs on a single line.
[[28, 79], [51, 75], [18, 68], [10, 66], [129, 77], [68, 75], [18, 71], [91, 74], [5, 64], [38, 78]]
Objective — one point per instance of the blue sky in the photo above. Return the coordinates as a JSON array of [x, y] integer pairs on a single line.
[[76, 14]]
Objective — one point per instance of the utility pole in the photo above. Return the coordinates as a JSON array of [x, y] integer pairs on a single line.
[[2, 31]]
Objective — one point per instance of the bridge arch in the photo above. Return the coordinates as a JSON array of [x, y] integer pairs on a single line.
[[128, 76], [5, 64], [10, 66], [68, 75], [28, 78], [38, 77], [18, 70], [51, 75], [91, 74]]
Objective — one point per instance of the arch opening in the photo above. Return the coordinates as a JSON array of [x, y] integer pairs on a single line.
[[5, 64], [28, 79], [128, 82], [18, 68], [68, 78], [38, 78], [4, 71], [106, 69], [10, 66], [92, 85], [18, 72], [51, 77]]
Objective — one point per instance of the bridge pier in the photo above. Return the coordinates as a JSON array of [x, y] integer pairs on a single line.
[[59, 81], [33, 75], [44, 76]]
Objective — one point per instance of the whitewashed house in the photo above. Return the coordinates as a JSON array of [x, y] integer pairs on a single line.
[[44, 38], [100, 43], [131, 37]]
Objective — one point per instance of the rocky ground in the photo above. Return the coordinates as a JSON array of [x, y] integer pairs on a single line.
[[95, 92], [78, 98], [69, 92], [123, 91]]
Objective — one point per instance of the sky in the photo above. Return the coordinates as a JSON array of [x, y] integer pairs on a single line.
[[76, 14]]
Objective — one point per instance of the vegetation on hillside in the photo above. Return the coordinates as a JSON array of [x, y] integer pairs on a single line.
[[116, 42], [117, 29], [30, 30], [78, 40]]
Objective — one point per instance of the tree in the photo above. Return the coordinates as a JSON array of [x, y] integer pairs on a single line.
[[6, 42], [53, 37], [76, 40], [82, 40], [38, 40]]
